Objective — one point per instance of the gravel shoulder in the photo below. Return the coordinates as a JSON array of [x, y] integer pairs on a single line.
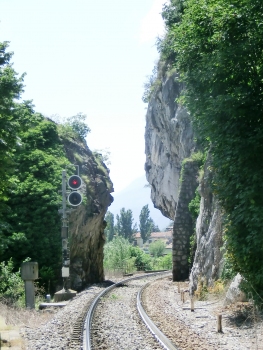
[[242, 329]]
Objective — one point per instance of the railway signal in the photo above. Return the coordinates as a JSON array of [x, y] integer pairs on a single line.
[[74, 182], [74, 198]]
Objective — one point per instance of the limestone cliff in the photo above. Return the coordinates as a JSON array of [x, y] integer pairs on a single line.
[[86, 224], [172, 174], [168, 140], [208, 262]]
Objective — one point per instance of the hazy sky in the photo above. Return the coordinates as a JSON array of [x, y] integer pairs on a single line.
[[92, 57]]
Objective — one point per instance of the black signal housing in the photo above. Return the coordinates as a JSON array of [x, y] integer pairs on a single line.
[[74, 182], [74, 198]]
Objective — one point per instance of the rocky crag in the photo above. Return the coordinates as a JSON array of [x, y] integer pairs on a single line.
[[208, 261], [86, 224], [173, 175]]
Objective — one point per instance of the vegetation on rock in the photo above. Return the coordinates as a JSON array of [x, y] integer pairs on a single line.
[[33, 153], [216, 46]]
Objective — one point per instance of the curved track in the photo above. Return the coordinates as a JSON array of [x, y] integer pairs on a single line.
[[159, 336]]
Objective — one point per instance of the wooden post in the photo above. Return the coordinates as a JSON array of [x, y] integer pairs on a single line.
[[178, 287], [219, 323], [182, 297], [192, 305]]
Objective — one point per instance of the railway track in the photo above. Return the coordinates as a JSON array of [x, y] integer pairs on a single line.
[[118, 308], [161, 338], [122, 327]]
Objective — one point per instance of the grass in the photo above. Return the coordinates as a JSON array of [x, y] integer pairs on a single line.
[[13, 319], [114, 296]]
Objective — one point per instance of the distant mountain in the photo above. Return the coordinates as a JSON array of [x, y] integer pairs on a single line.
[[134, 197]]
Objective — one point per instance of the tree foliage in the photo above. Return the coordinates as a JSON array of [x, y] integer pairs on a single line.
[[120, 254], [11, 86], [109, 230], [124, 226], [12, 287], [157, 248], [33, 222], [32, 157], [77, 122], [147, 225], [116, 252], [74, 127], [216, 46]]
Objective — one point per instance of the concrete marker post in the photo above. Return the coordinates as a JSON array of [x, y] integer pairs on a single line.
[[29, 273], [219, 323], [192, 305]]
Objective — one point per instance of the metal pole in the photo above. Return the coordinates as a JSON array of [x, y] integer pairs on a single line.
[[64, 230], [64, 196]]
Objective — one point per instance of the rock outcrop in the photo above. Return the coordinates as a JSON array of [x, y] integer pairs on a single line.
[[208, 261], [169, 140], [86, 224], [234, 294]]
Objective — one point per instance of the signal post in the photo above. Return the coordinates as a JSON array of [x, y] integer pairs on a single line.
[[73, 198]]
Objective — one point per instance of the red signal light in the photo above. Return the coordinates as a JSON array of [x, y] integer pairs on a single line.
[[74, 182]]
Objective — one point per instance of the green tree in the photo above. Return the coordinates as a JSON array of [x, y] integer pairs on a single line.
[[11, 86], [74, 127], [124, 226], [77, 122], [109, 230], [147, 225], [157, 248], [155, 228], [34, 223]]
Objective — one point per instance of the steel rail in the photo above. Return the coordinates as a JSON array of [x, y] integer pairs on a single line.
[[160, 337], [88, 321]]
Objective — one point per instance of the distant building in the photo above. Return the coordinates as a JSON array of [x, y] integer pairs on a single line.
[[166, 237]]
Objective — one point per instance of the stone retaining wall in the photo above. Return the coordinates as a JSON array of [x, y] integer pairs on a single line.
[[183, 222]]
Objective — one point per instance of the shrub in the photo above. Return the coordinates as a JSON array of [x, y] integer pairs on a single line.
[[142, 260], [11, 284], [157, 248], [116, 253]]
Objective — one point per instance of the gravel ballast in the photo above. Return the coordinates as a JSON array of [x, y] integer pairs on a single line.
[[117, 324], [56, 334]]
